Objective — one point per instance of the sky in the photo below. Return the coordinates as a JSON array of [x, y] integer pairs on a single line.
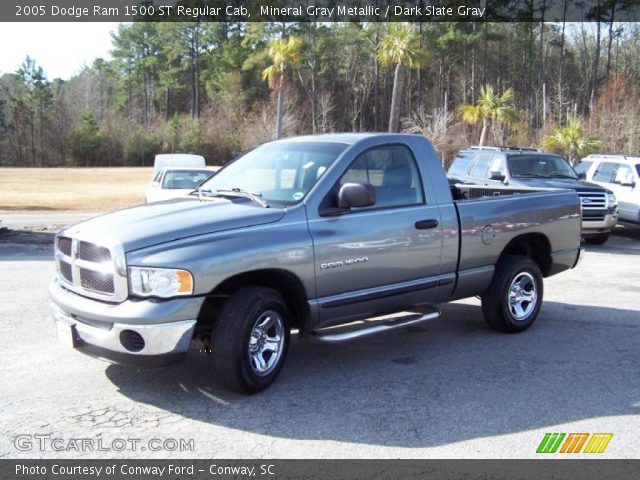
[[61, 49]]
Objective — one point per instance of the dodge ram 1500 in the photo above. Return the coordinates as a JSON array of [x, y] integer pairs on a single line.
[[313, 234]]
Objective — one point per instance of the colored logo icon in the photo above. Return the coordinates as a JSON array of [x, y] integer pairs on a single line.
[[574, 443]]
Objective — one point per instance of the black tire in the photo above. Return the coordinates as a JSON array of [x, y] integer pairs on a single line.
[[597, 239], [231, 339], [499, 312]]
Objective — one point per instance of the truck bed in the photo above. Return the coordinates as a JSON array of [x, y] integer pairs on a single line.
[[490, 218]]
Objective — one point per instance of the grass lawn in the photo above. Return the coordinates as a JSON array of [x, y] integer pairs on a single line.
[[41, 190]]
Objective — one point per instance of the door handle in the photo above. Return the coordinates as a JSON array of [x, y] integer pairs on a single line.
[[426, 224]]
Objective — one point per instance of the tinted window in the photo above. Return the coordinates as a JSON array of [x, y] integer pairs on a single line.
[[460, 165], [606, 172], [393, 173], [582, 167], [481, 168]]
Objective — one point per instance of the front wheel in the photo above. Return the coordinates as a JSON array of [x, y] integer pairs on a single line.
[[513, 300], [250, 339]]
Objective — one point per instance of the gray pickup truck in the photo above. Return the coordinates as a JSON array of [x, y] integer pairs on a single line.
[[314, 234]]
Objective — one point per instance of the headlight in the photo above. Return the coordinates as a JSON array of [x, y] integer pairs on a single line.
[[160, 282], [611, 199]]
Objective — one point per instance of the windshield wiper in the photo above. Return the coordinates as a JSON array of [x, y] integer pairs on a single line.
[[238, 192], [530, 175]]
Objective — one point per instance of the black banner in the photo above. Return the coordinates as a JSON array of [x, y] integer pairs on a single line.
[[318, 469], [320, 10]]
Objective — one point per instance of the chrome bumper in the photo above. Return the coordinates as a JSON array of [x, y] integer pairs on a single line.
[[156, 344], [600, 226]]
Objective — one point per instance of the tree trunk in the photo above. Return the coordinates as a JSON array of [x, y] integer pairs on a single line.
[[483, 133], [561, 70], [396, 96], [197, 71], [280, 112], [596, 63], [473, 64], [610, 41]]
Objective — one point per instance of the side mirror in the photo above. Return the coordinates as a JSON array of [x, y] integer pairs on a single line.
[[497, 176], [356, 194], [582, 176], [631, 184]]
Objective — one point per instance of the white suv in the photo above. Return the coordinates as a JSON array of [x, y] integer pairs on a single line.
[[621, 175]]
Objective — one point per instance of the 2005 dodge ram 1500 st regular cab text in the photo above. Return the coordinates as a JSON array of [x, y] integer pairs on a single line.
[[311, 233]]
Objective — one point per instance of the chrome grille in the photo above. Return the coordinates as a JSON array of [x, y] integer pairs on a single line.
[[592, 217], [96, 281], [593, 200], [90, 269], [93, 253]]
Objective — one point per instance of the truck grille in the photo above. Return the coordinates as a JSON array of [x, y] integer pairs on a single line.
[[96, 281], [593, 200], [592, 217], [93, 253], [89, 269]]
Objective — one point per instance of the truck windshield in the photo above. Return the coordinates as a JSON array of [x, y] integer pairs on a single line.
[[282, 172], [540, 166]]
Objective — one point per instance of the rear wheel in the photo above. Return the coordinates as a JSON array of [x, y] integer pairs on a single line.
[[597, 239], [250, 339], [513, 300]]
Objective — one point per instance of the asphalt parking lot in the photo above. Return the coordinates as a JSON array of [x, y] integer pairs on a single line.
[[450, 388]]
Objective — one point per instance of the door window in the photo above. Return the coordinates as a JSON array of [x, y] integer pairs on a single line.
[[393, 173], [498, 166], [606, 172], [624, 174]]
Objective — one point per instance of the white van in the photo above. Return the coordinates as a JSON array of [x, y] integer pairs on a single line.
[[177, 160], [621, 175]]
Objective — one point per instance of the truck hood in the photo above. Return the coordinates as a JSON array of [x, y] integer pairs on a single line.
[[155, 223], [568, 183]]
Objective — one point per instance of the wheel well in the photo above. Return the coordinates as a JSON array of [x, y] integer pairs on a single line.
[[286, 283], [533, 245]]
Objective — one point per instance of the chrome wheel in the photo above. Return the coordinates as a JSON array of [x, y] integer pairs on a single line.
[[266, 342], [522, 296]]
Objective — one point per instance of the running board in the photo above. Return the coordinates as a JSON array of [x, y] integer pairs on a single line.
[[380, 326]]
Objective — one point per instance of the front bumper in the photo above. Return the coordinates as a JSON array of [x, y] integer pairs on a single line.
[[600, 226], [143, 333]]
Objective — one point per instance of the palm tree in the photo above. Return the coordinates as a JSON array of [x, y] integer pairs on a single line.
[[400, 47], [571, 140], [491, 109], [283, 53]]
